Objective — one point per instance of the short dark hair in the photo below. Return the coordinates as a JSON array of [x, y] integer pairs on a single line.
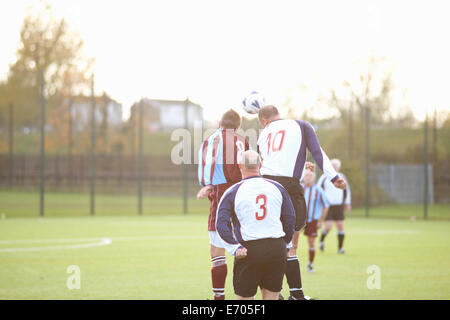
[[268, 112], [230, 120]]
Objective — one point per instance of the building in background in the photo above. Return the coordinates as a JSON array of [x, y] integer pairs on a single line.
[[107, 112], [167, 115]]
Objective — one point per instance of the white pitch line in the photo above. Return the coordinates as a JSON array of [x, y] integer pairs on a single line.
[[47, 240], [93, 242], [174, 237], [162, 237], [386, 232], [102, 242]]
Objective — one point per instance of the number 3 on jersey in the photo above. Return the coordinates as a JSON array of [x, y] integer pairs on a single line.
[[261, 200], [277, 142]]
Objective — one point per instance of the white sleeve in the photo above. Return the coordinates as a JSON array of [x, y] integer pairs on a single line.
[[321, 181], [328, 169]]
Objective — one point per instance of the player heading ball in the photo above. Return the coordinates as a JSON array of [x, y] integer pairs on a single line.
[[283, 145]]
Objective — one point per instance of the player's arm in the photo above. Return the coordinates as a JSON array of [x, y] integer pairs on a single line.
[[321, 182], [204, 192], [202, 164], [348, 198], [206, 189], [325, 205], [321, 158], [310, 166], [223, 225], [223, 219], [287, 217], [322, 217], [204, 179]]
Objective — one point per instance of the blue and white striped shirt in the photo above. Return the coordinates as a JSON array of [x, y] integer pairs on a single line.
[[316, 201], [218, 158]]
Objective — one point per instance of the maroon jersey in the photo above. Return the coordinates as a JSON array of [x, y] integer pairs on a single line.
[[218, 165]]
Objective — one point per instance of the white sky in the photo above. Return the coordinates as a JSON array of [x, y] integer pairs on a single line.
[[215, 52]]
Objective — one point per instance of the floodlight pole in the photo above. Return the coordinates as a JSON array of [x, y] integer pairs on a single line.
[[42, 162]]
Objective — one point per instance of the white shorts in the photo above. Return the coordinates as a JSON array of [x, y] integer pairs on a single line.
[[289, 245], [217, 241]]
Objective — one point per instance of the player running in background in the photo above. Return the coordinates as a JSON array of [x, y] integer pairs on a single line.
[[218, 170], [316, 211], [282, 145], [258, 214], [340, 201]]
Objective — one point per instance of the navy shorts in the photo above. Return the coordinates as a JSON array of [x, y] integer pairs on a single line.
[[263, 266]]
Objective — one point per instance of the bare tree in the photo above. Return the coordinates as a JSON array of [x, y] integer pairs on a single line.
[[372, 89]]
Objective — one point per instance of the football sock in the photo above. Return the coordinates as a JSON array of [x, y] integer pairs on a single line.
[[341, 235], [293, 277], [312, 253], [218, 275], [323, 235]]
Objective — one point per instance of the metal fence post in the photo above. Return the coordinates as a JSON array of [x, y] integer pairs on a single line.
[[367, 204], [93, 145], [350, 131], [425, 164], [11, 142], [132, 126], [42, 162], [185, 165], [70, 138], [141, 115]]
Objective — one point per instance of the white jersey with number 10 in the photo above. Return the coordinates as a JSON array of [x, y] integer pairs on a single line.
[[283, 144]]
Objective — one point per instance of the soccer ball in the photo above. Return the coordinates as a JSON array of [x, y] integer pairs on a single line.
[[253, 102]]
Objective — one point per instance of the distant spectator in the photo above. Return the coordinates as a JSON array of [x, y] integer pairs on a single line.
[[340, 201]]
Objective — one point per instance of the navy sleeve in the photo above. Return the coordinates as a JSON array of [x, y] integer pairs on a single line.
[[223, 220], [287, 216], [312, 143]]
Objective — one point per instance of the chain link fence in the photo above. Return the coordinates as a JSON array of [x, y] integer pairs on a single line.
[[93, 162]]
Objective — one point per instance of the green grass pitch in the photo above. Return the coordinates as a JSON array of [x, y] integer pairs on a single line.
[[157, 256]]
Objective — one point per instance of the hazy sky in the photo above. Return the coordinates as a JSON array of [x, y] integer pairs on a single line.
[[217, 51]]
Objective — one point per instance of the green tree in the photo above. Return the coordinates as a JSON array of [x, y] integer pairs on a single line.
[[46, 44]]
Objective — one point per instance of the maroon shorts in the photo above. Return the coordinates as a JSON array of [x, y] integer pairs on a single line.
[[311, 229], [214, 198]]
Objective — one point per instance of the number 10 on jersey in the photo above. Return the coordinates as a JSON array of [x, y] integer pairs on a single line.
[[277, 142]]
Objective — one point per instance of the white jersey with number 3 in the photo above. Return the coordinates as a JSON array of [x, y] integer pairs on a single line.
[[283, 144], [256, 208]]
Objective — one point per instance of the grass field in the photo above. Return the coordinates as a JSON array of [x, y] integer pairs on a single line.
[[159, 256]]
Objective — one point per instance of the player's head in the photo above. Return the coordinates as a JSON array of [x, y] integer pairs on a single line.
[[267, 114], [230, 120], [249, 163], [309, 178], [336, 163]]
